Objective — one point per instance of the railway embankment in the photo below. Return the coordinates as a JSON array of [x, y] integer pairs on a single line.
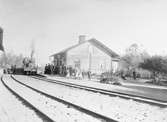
[[54, 109], [126, 110], [13, 109]]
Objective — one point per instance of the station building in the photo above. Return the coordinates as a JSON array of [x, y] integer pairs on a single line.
[[88, 55]]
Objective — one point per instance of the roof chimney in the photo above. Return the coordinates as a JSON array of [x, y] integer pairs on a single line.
[[82, 39]]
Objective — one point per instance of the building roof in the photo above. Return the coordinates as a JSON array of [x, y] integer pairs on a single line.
[[97, 44]]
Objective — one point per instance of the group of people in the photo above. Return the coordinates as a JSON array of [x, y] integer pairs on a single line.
[[65, 71], [52, 69]]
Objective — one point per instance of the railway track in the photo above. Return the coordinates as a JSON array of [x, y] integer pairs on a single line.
[[27, 103], [99, 116], [143, 99]]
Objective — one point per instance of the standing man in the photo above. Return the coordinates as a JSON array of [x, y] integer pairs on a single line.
[[134, 75], [89, 75]]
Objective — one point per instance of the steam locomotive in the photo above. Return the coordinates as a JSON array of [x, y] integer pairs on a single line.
[[28, 68]]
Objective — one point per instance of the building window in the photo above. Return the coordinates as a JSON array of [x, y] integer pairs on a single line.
[[55, 61]]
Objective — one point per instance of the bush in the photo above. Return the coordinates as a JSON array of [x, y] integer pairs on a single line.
[[157, 65], [109, 78]]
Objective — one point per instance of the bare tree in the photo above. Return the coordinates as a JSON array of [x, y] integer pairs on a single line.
[[134, 56], [9, 58]]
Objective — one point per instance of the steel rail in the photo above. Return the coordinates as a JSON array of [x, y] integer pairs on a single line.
[[82, 109], [107, 92], [27, 103]]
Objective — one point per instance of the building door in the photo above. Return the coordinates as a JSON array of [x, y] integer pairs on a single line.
[[114, 66], [77, 63]]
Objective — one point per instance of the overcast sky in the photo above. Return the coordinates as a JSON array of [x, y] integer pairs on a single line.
[[53, 25]]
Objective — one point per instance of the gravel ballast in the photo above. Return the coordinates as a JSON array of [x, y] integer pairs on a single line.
[[117, 108], [55, 110]]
